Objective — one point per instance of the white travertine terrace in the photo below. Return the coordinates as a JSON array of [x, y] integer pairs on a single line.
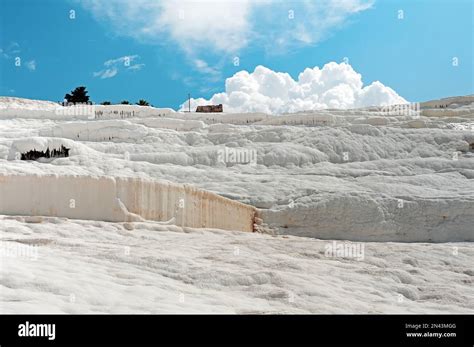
[[374, 174], [121, 200]]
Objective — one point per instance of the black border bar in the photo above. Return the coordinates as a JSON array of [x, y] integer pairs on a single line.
[[242, 329]]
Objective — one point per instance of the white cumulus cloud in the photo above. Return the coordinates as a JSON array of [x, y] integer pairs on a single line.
[[333, 86]]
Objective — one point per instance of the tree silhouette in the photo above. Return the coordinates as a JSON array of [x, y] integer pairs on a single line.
[[105, 103], [78, 95], [125, 102], [142, 102]]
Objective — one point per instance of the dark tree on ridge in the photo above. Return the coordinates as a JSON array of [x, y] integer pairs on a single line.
[[142, 102], [78, 95]]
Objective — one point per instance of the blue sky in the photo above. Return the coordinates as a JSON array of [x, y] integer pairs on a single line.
[[171, 52]]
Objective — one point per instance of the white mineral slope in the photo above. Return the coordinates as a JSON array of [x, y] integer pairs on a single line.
[[360, 175], [12, 107], [71, 266]]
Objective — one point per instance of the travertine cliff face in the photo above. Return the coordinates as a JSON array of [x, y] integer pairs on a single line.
[[121, 200]]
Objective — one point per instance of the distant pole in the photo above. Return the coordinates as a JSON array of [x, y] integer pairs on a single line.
[[189, 102]]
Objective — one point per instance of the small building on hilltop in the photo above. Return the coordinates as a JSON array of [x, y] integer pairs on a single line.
[[210, 108]]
